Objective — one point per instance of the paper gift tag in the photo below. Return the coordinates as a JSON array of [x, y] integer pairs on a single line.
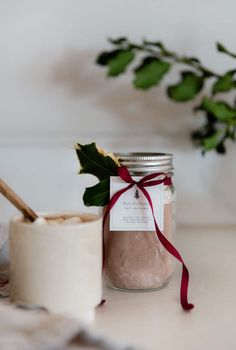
[[132, 211]]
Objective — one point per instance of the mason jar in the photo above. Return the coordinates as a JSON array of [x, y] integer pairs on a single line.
[[136, 260]]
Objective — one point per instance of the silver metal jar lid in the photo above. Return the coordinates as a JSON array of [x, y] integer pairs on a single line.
[[139, 163]]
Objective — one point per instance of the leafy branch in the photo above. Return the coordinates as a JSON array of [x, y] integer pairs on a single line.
[[153, 60]]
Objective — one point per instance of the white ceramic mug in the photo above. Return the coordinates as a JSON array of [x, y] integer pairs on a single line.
[[57, 266]]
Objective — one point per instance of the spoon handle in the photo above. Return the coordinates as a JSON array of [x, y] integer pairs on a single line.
[[7, 192]]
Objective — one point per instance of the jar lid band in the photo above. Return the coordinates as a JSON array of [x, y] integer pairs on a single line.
[[146, 162]]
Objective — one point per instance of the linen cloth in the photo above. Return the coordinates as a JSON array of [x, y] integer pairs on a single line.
[[32, 328]]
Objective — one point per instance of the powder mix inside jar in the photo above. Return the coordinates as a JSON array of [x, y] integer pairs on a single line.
[[135, 259]]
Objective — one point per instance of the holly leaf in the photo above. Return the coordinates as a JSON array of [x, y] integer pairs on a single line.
[[222, 48], [95, 162], [225, 83], [189, 86], [97, 195], [150, 72], [220, 109], [116, 61]]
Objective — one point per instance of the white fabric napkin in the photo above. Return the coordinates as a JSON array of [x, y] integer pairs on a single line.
[[36, 330]]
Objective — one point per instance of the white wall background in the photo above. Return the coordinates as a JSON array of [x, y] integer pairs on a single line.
[[52, 94]]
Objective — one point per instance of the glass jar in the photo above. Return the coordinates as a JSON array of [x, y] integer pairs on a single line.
[[136, 260]]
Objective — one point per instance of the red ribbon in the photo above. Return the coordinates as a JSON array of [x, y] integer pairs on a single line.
[[148, 181]]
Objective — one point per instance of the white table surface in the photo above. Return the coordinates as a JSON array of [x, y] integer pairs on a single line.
[[155, 320]]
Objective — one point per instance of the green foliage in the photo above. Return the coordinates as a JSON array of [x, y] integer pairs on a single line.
[[150, 72], [221, 48], [187, 88], [219, 109], [225, 83], [97, 163], [97, 195], [116, 61], [209, 137], [118, 40], [213, 141], [94, 162], [153, 60]]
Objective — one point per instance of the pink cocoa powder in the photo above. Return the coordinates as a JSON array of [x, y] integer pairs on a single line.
[[137, 260]]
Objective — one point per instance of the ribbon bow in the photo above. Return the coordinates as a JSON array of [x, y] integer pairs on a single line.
[[148, 181]]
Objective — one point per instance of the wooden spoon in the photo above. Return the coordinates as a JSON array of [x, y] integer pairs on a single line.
[[7, 192]]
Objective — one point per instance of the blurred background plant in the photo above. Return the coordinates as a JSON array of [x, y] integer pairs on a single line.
[[153, 60]]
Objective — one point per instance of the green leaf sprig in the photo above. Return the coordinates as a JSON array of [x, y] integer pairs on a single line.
[[152, 60], [97, 162]]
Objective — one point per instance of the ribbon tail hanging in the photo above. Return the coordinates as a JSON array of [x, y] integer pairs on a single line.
[[173, 251]]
